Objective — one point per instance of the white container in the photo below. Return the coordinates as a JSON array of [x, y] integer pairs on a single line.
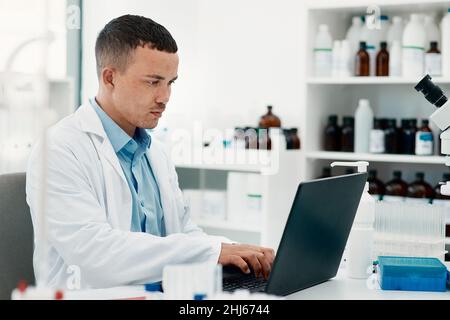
[[376, 141], [360, 243], [445, 49], [363, 125], [336, 58], [214, 205], [323, 52], [432, 32], [424, 143], [413, 49], [353, 37], [346, 60], [395, 31], [193, 199], [244, 199], [395, 59]]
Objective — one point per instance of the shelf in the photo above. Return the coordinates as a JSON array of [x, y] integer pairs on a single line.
[[376, 157], [371, 81], [227, 225], [257, 161]]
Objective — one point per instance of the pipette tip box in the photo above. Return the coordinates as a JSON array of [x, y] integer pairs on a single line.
[[412, 274]]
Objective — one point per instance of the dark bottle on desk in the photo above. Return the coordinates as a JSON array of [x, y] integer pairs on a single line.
[[391, 144], [397, 187], [269, 120], [332, 135], [376, 187], [362, 61], [419, 188], [348, 135], [382, 63]]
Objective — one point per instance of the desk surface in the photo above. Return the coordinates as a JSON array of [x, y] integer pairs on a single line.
[[339, 288], [344, 288]]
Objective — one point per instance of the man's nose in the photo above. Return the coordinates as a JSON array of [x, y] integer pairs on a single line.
[[163, 95]]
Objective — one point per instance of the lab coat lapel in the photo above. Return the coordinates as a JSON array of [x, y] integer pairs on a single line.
[[117, 189], [158, 163]]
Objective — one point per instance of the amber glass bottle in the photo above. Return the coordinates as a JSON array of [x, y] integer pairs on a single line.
[[382, 61], [397, 187], [420, 188], [376, 187], [362, 63], [332, 134], [348, 134], [269, 120]]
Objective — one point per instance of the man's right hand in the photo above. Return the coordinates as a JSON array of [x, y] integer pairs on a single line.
[[247, 257]]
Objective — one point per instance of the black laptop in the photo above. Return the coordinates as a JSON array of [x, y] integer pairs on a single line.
[[313, 240]]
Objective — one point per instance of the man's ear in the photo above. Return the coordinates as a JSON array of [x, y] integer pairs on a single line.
[[107, 77]]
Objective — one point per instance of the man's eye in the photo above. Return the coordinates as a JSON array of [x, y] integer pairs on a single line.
[[171, 83], [153, 83]]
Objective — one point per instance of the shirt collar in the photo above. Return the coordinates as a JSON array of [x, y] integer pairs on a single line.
[[118, 137]]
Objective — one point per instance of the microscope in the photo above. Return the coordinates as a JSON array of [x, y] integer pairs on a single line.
[[441, 117]]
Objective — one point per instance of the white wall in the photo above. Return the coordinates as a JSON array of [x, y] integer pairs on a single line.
[[236, 56]]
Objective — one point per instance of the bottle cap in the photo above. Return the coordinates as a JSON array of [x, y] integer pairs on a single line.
[[364, 103], [153, 287], [362, 45], [199, 296], [383, 44], [397, 19], [397, 174], [323, 27], [420, 175], [384, 18]]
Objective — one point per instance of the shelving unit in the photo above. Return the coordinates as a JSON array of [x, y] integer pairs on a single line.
[[390, 97], [279, 179]]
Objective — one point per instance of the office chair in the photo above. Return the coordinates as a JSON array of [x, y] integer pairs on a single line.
[[16, 235]]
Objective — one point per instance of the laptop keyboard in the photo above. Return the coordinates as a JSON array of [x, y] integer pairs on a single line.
[[247, 282]]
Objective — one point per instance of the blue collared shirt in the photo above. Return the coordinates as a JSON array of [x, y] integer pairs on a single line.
[[147, 213]]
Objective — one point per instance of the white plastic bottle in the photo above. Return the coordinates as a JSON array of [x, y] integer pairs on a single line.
[[445, 49], [360, 242], [413, 49], [395, 31], [363, 125], [395, 59], [336, 59], [346, 59], [353, 37], [323, 52], [432, 31]]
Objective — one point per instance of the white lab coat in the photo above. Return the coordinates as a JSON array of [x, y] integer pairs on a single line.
[[89, 211]]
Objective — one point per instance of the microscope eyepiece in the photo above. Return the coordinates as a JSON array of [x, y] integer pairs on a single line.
[[432, 92]]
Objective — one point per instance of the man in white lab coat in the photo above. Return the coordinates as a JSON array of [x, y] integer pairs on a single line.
[[114, 208]]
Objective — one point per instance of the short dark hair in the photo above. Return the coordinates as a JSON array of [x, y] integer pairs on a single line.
[[124, 34]]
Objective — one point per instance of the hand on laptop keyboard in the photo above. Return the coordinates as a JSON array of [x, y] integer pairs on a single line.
[[248, 258]]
